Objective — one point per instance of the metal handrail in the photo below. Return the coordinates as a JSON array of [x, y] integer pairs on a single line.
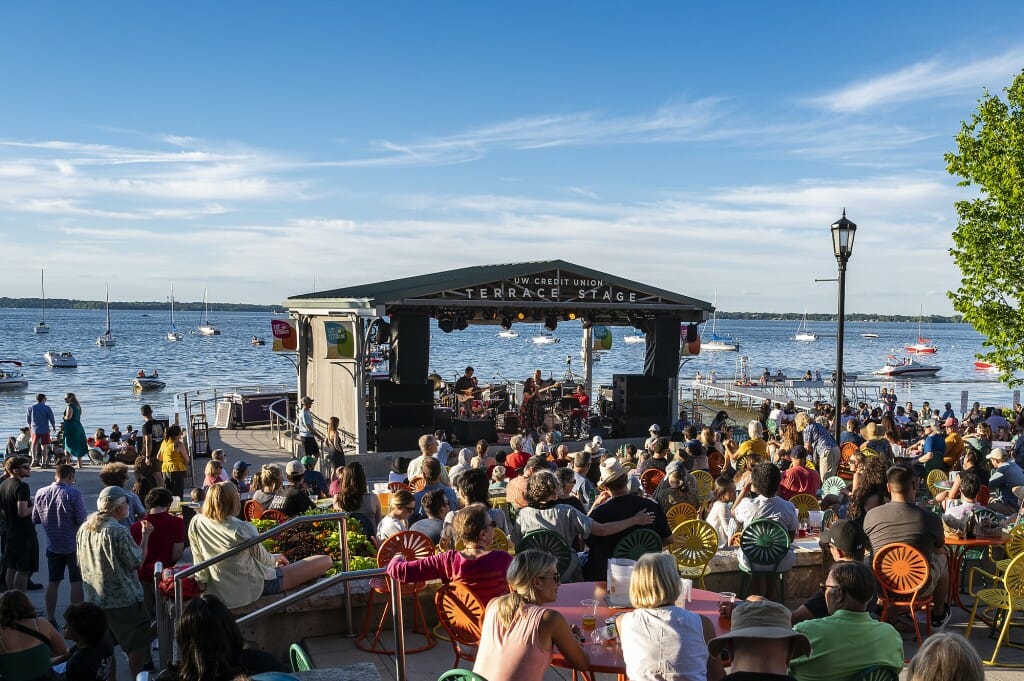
[[299, 521], [277, 418]]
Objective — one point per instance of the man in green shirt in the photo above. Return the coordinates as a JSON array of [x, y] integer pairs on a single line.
[[848, 640]]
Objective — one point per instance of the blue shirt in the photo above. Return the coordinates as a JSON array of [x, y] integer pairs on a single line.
[[818, 440], [40, 418], [453, 501], [60, 509], [1003, 480]]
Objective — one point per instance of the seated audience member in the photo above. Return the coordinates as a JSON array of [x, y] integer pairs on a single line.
[[398, 467], [219, 456], [567, 480], [583, 489], [798, 478], [519, 634], [238, 474], [903, 521], [849, 587], [946, 657], [464, 461], [434, 505], [29, 645], [211, 474], [353, 495], [244, 577], [760, 643], [720, 514], [476, 566], [315, 482], [614, 506], [266, 483], [429, 448], [91, 658], [678, 487], [496, 488], [166, 543], [212, 647], [431, 470], [471, 488], [659, 639], [969, 488], [844, 540], [764, 481], [116, 475], [293, 500], [1006, 475], [515, 490], [396, 520], [659, 456]]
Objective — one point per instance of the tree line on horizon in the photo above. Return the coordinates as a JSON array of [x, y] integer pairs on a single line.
[[69, 304], [850, 317]]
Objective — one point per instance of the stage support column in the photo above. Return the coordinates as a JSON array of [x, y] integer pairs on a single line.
[[358, 403], [588, 360], [410, 347], [302, 353]]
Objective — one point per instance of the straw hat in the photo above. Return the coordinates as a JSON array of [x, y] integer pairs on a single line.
[[610, 470]]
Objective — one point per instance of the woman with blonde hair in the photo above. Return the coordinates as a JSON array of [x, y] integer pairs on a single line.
[[946, 657], [212, 473], [519, 634], [266, 482], [659, 639], [246, 576], [400, 508]]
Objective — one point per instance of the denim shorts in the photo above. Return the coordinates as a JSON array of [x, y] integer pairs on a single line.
[[57, 562], [274, 586]]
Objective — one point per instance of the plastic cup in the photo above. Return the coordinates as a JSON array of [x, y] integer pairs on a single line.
[[726, 602], [589, 622]]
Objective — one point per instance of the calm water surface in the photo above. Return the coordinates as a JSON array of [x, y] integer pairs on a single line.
[[103, 379]]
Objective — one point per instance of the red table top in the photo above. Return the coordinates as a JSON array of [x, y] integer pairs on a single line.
[[608, 659], [978, 541]]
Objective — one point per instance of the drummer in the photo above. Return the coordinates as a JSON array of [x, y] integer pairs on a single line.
[[465, 391], [579, 413]]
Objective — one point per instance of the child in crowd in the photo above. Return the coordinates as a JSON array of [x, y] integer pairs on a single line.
[[212, 473], [218, 455], [198, 495], [238, 474], [396, 520], [720, 515]]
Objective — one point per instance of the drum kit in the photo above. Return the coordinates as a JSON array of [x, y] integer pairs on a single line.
[[488, 401]]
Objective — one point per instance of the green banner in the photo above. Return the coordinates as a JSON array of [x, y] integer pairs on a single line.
[[341, 340]]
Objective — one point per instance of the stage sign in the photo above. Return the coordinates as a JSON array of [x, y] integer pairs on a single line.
[[602, 336], [285, 337], [550, 287], [341, 340]]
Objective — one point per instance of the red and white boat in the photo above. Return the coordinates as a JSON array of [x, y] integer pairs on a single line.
[[923, 346], [985, 366], [906, 367]]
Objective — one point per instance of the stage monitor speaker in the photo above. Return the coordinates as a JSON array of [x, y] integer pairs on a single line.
[[398, 439], [469, 431], [405, 405], [661, 356], [508, 422]]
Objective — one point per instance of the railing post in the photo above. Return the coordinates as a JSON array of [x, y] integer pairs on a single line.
[[395, 587], [343, 537], [162, 620]]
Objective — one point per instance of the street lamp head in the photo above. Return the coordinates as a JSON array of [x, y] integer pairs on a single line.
[[843, 232]]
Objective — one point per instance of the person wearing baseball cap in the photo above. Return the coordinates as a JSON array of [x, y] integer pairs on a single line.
[[293, 500], [315, 482], [1006, 475], [238, 475], [655, 433], [307, 428], [844, 540], [761, 642]]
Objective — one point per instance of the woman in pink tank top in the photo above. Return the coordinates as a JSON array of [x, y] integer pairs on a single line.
[[519, 634]]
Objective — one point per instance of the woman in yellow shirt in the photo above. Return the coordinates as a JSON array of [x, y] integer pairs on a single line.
[[174, 460]]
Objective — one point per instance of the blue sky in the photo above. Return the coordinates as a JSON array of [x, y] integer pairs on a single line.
[[252, 147]]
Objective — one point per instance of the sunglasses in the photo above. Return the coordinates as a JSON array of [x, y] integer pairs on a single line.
[[825, 587]]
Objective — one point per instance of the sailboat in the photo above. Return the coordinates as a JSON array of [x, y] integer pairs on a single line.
[[923, 346], [803, 332], [107, 339], [41, 326], [172, 334], [715, 343], [206, 328], [545, 338]]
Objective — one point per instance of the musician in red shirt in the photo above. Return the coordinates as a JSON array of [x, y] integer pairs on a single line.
[[581, 412]]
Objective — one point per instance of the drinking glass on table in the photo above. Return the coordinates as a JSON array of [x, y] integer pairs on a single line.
[[589, 622]]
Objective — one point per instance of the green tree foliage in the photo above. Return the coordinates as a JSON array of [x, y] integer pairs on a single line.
[[989, 239]]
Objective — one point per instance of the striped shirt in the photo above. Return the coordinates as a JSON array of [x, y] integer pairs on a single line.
[[60, 509]]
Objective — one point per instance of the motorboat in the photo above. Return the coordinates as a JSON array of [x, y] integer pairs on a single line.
[[923, 346], [545, 338], [636, 337], [803, 331], [986, 366], [206, 328], [173, 334], [869, 335], [107, 339], [256, 340], [715, 343], [508, 333], [908, 366], [41, 326], [61, 359], [11, 377], [146, 383]]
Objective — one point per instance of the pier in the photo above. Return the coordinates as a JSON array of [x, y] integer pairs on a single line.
[[748, 395]]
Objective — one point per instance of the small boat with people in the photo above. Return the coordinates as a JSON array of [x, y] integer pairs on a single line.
[[257, 340], [60, 359], [908, 366], [11, 377], [144, 383], [803, 331]]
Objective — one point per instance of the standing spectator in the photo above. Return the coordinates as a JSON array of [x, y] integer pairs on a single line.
[[152, 433], [60, 509], [174, 460], [819, 441], [761, 642], [40, 420], [849, 587], [91, 658], [166, 543], [75, 444], [307, 429], [334, 451], [21, 546], [116, 475], [109, 559]]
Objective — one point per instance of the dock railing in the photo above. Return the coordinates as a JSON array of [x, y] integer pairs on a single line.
[[283, 428]]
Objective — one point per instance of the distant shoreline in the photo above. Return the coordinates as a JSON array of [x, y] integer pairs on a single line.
[[66, 304]]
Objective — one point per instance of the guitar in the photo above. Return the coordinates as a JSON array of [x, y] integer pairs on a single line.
[[471, 393], [541, 391]]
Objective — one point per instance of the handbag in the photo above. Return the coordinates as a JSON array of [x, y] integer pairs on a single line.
[[189, 585]]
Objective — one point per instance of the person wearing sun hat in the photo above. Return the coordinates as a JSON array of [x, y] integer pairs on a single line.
[[761, 642], [615, 503]]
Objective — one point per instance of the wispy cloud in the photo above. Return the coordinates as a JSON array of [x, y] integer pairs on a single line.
[[930, 79]]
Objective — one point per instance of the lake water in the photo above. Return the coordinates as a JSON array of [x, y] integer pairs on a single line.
[[103, 379]]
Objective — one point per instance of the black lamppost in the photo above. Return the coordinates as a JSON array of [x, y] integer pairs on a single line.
[[843, 232]]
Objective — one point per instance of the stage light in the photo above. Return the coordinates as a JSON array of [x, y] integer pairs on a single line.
[[550, 322], [537, 315], [506, 322], [572, 316], [521, 316], [460, 323], [445, 322]]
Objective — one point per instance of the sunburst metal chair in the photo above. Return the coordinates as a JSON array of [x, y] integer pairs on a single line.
[[694, 544], [765, 543], [680, 513], [462, 616], [902, 571], [637, 543], [1004, 601], [804, 503]]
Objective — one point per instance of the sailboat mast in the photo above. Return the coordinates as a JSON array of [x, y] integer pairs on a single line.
[[42, 291]]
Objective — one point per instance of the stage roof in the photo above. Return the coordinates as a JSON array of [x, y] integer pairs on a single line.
[[491, 291]]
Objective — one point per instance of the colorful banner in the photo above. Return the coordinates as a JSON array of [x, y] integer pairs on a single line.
[[602, 338], [341, 340], [286, 339]]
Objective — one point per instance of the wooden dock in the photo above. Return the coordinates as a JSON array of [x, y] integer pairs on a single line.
[[802, 393]]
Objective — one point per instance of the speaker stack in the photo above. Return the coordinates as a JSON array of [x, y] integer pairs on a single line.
[[404, 412], [637, 402]]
